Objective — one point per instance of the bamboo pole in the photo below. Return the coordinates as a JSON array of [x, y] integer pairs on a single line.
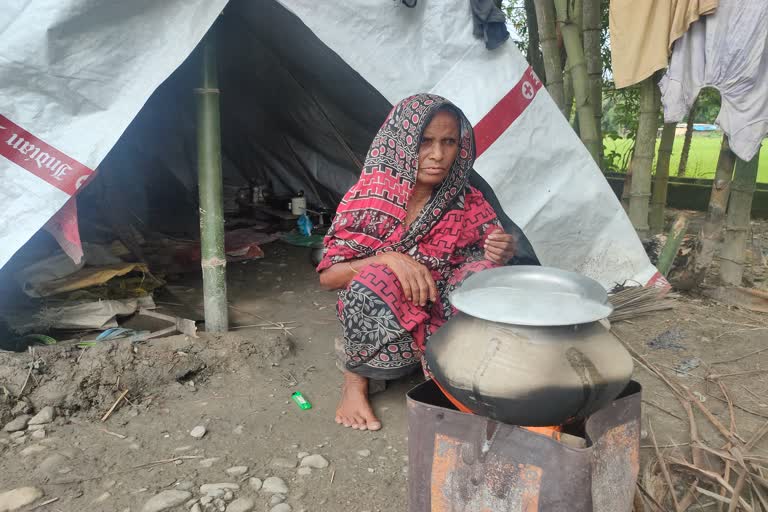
[[534, 43], [568, 96], [642, 160], [688, 138], [213, 259], [709, 234], [738, 221], [545, 16], [591, 32], [578, 69], [672, 246], [661, 179]]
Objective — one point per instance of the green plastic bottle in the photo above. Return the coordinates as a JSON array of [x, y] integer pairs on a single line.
[[302, 402]]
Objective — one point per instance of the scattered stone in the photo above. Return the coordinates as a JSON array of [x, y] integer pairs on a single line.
[[301, 455], [18, 423], [282, 507], [21, 407], [33, 450], [225, 486], [17, 434], [229, 496], [314, 462], [183, 448], [20, 440], [198, 432], [206, 500], [18, 498], [276, 499], [305, 471], [255, 483], [101, 499], [275, 485], [108, 484], [237, 470], [283, 463], [216, 493], [191, 503], [38, 434], [166, 500], [45, 416], [364, 453], [185, 485], [238, 430], [220, 505], [5, 441], [196, 508], [34, 428], [207, 463], [241, 505]]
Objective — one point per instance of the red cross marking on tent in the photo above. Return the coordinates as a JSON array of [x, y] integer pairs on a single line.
[[504, 113]]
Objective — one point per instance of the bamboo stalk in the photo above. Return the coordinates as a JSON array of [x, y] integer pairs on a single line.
[[661, 179], [642, 160], [688, 137], [213, 259], [578, 69], [709, 234], [591, 33], [738, 221], [545, 16], [674, 239], [534, 52]]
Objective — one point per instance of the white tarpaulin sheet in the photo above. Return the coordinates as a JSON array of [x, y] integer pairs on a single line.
[[74, 74]]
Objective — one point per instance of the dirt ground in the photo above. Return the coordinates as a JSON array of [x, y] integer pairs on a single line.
[[239, 387]]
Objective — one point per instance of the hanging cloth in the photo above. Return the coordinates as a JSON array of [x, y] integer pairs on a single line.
[[727, 51], [642, 34]]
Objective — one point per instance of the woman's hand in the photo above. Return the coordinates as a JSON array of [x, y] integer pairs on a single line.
[[414, 277], [500, 247]]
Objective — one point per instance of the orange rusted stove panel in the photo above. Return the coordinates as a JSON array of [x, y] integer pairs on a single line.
[[460, 462]]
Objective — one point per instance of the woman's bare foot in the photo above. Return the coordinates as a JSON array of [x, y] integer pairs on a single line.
[[354, 409]]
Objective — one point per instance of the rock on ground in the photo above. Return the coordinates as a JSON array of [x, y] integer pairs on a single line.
[[198, 432], [304, 471], [224, 486], [314, 462], [282, 507], [364, 453], [241, 505], [275, 485], [301, 455], [17, 498], [43, 417], [18, 423], [255, 483], [166, 500], [276, 499], [237, 470], [196, 508], [207, 463]]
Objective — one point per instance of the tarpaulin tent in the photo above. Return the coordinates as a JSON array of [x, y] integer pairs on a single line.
[[101, 84]]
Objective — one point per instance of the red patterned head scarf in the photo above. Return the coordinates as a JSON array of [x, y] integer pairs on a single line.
[[369, 215]]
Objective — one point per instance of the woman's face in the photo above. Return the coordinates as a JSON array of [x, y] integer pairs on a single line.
[[438, 150]]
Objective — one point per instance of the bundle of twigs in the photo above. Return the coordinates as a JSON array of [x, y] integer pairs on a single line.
[[732, 474], [633, 302]]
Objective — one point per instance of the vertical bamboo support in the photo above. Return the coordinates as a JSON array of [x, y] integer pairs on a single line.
[[545, 16], [709, 234], [592, 21], [661, 179], [213, 258], [737, 221], [681, 168], [534, 52], [578, 68], [642, 160]]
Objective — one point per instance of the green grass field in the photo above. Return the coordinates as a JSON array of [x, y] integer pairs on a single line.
[[702, 159]]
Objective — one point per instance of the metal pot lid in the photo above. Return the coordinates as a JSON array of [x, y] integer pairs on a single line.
[[532, 296]]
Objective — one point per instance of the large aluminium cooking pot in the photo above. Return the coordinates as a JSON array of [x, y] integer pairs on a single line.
[[527, 347]]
